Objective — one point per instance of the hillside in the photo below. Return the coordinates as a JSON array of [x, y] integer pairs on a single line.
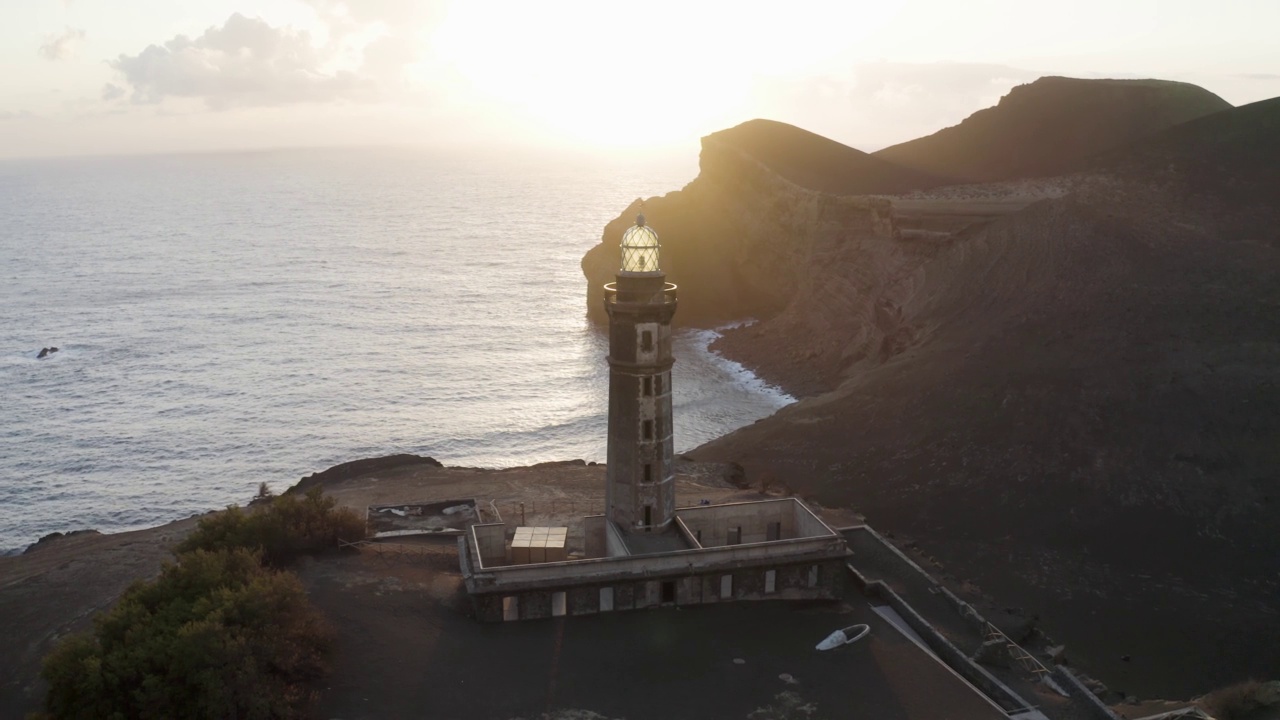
[[1076, 404], [732, 260], [817, 163], [1067, 389], [1052, 126]]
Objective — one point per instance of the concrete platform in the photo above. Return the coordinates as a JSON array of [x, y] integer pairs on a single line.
[[403, 654]]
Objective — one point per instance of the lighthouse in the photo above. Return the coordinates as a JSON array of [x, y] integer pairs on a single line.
[[640, 486], [644, 551]]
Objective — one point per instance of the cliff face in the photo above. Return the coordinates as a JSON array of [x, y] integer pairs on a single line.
[[1068, 390], [1084, 417], [742, 239], [1050, 126]]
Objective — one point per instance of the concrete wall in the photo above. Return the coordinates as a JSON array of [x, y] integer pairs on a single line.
[[593, 537], [747, 583], [615, 546], [491, 543], [581, 572], [807, 524], [712, 523], [687, 534]]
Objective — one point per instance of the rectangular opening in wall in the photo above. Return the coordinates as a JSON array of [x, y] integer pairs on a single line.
[[648, 517], [770, 581], [774, 531], [646, 341], [646, 430], [726, 587], [558, 604], [647, 385], [510, 608], [735, 536], [669, 591], [697, 535], [657, 385], [813, 576], [648, 473], [606, 599]]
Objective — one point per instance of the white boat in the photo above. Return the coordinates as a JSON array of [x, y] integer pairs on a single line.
[[844, 636]]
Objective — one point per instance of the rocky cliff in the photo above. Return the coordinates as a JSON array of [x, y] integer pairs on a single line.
[[1067, 389], [743, 237]]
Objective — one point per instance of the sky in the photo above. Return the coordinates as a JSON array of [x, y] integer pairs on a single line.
[[148, 76]]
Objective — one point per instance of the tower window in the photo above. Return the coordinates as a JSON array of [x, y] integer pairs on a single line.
[[647, 429], [657, 384], [646, 341], [648, 516], [647, 385], [648, 473]]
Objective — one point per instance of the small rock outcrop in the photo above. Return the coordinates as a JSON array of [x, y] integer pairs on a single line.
[[356, 468], [46, 352], [53, 537]]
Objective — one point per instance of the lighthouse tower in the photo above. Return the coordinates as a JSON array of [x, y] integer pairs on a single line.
[[640, 493]]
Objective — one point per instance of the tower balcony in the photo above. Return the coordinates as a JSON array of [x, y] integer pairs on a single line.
[[638, 296]]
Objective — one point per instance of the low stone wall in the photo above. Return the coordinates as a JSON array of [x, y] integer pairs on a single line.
[[790, 582], [1077, 691], [1007, 699]]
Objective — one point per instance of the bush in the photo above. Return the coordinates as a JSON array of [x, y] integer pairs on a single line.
[[215, 636], [282, 529]]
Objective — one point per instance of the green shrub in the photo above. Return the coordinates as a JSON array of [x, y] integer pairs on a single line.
[[282, 529], [215, 636]]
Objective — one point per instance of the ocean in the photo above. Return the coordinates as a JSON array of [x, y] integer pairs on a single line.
[[229, 319]]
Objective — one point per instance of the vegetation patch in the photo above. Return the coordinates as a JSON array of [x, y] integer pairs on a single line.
[[217, 635], [221, 633], [282, 528]]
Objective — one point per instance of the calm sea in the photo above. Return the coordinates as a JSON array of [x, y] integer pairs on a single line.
[[236, 318]]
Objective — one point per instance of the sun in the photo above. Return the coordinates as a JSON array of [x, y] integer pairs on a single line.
[[599, 74]]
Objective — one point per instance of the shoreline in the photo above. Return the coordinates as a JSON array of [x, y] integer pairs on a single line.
[[742, 378]]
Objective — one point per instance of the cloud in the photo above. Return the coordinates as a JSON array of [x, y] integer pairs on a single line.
[[111, 92], [61, 47], [244, 62]]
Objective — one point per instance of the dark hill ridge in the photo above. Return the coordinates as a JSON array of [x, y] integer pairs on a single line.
[[818, 163], [1052, 126], [1235, 152]]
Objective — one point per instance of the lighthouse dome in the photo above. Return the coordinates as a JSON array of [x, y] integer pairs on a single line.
[[640, 248]]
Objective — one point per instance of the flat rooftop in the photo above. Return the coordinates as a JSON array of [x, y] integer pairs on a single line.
[[403, 652]]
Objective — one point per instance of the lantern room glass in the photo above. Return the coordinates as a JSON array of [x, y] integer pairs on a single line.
[[640, 249]]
